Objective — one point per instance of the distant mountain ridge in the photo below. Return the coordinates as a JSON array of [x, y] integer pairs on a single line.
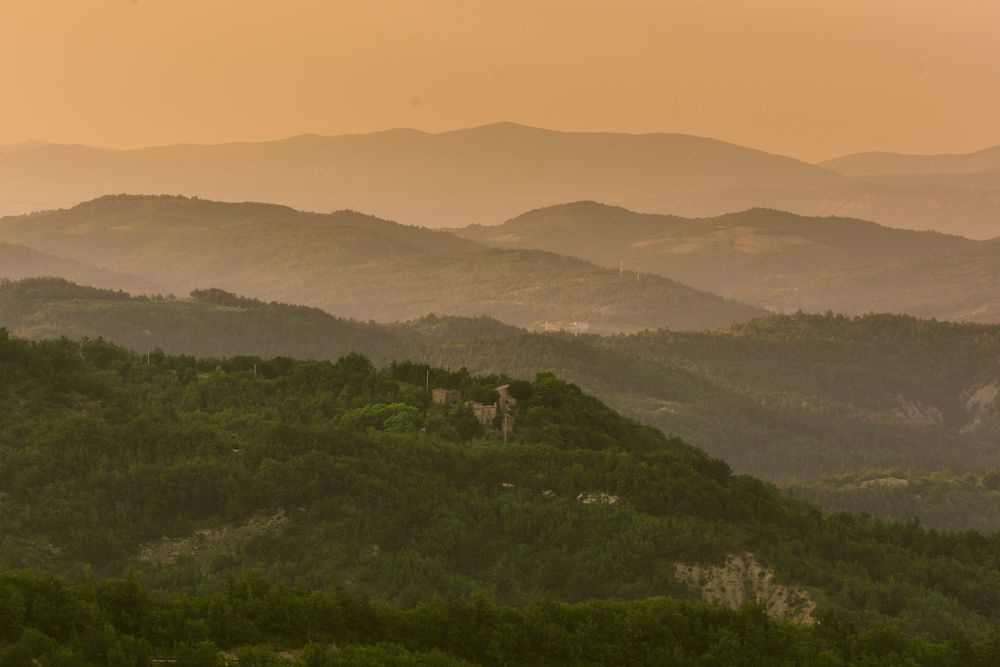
[[481, 174], [487, 174], [964, 204], [881, 163], [777, 260], [17, 261], [356, 265], [962, 285]]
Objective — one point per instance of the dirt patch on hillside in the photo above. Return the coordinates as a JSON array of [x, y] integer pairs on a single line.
[[742, 578]]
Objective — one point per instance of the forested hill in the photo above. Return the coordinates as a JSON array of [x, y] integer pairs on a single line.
[[748, 239], [177, 472], [355, 265], [17, 262], [210, 323], [784, 396], [778, 260], [926, 372], [256, 622], [961, 285]]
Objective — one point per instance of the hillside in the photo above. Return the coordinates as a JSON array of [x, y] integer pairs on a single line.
[[961, 285], [987, 182], [339, 474], [212, 323], [781, 397], [963, 204], [940, 500], [880, 376], [115, 622], [880, 163], [482, 174], [17, 261], [356, 266], [725, 254]]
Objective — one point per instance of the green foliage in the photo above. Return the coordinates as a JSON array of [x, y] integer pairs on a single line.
[[798, 396], [222, 298], [832, 392], [182, 472], [940, 500], [253, 624], [520, 390]]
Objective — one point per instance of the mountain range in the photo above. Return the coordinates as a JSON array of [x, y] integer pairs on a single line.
[[487, 174], [775, 260], [351, 264], [882, 163], [582, 266]]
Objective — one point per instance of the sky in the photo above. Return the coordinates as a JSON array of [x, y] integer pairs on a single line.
[[809, 78]]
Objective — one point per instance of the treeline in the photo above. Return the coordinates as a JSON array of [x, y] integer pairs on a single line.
[[872, 362], [115, 623]]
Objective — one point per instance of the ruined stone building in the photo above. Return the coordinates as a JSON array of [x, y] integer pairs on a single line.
[[484, 413], [445, 396]]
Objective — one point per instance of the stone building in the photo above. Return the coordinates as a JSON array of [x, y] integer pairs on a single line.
[[484, 413], [505, 406], [445, 396]]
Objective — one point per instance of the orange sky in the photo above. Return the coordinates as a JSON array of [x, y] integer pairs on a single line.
[[809, 78]]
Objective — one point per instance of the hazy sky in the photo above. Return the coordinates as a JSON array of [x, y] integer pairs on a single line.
[[809, 78]]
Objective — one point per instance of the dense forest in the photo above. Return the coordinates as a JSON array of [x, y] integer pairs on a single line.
[[178, 472], [940, 500], [781, 397], [254, 623], [919, 393], [288, 381]]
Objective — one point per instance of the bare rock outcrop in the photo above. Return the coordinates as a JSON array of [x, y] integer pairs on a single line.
[[741, 578]]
